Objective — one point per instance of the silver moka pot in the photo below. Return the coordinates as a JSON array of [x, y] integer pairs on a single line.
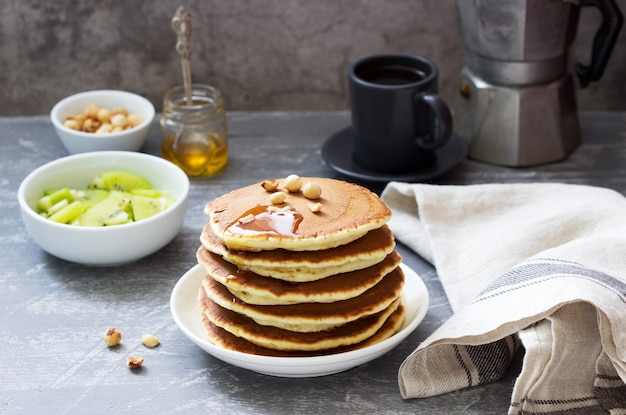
[[516, 102]]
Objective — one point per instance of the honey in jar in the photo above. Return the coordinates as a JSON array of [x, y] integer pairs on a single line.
[[195, 134]]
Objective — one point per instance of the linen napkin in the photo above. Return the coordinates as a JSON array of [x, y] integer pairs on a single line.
[[541, 266]]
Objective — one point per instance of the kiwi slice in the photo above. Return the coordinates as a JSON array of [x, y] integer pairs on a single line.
[[114, 210], [52, 197], [90, 197], [55, 208], [120, 180], [69, 212], [144, 207]]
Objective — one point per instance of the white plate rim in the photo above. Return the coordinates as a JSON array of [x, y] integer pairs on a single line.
[[186, 313]]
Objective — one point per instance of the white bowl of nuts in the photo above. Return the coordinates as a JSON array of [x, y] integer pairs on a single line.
[[102, 120]]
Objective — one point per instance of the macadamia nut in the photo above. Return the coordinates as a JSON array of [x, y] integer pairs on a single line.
[[133, 120], [119, 120], [104, 115], [91, 111], [292, 183], [312, 190], [150, 340], [277, 198], [104, 128], [72, 123]]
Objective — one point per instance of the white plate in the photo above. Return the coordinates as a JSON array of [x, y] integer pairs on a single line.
[[186, 313]]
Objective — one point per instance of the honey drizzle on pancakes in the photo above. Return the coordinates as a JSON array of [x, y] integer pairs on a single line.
[[267, 220]]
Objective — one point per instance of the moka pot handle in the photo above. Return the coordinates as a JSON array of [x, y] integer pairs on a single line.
[[603, 41]]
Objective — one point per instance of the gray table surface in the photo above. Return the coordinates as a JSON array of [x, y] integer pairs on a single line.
[[53, 313]]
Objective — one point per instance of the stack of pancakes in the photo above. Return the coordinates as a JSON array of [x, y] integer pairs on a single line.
[[303, 277]]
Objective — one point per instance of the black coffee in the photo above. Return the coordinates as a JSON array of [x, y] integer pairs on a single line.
[[391, 75]]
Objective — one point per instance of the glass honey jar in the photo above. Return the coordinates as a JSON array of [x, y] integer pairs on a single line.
[[195, 135]]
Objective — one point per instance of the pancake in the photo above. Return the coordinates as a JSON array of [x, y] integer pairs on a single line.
[[371, 249], [311, 317], [252, 288], [227, 340], [279, 339], [245, 219]]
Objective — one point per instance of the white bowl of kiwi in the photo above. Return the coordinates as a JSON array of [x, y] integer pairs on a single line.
[[104, 208]]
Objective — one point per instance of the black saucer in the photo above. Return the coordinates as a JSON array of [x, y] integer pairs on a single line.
[[337, 153]]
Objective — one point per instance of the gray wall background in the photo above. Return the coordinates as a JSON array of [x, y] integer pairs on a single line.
[[264, 55]]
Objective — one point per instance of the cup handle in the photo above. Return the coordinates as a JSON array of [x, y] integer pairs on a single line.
[[442, 128]]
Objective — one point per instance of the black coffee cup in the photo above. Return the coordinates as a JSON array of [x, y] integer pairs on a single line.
[[398, 120]]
